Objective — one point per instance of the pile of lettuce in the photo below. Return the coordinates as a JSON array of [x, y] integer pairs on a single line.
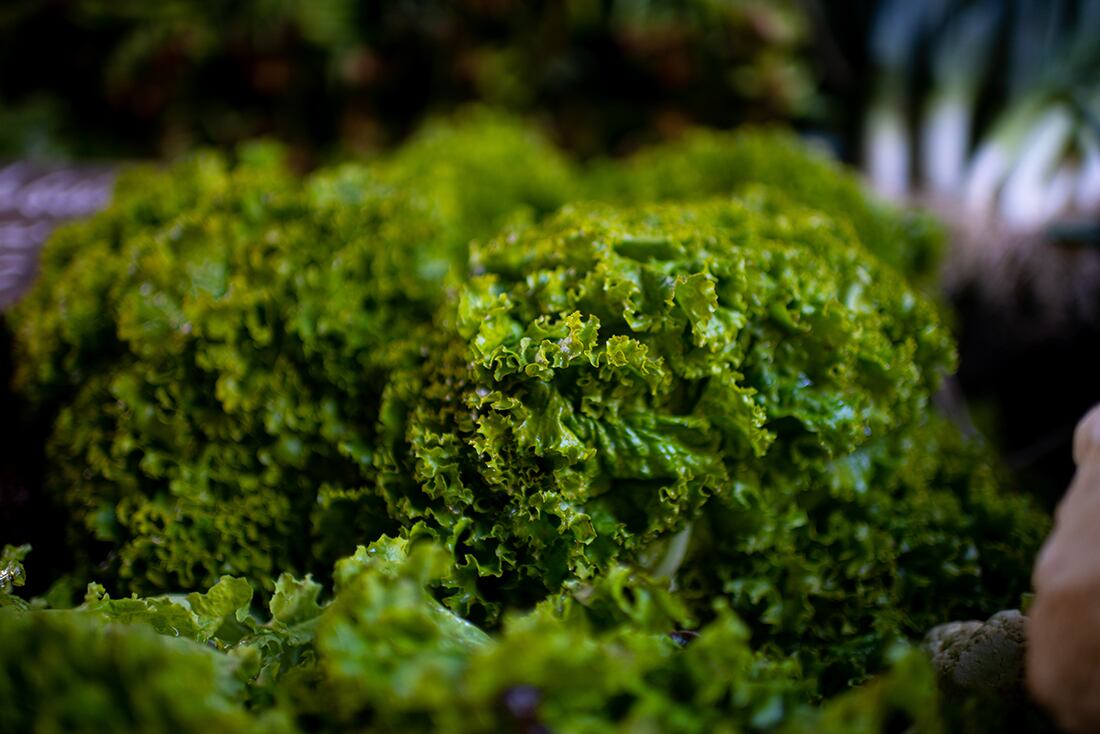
[[383, 655], [638, 446], [727, 394], [215, 344]]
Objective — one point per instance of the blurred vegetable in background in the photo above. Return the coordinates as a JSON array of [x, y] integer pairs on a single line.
[[1027, 160], [129, 77], [988, 112]]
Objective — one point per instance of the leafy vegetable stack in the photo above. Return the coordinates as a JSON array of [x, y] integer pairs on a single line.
[[383, 655], [217, 341], [709, 418], [729, 394]]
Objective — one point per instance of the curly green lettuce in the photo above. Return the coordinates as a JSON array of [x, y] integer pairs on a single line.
[[731, 394], [707, 163], [214, 346], [250, 374], [602, 658], [381, 654]]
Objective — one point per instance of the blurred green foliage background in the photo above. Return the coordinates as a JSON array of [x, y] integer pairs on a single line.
[[135, 78]]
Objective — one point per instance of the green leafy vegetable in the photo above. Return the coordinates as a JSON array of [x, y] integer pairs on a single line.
[[707, 163], [384, 655], [649, 465], [215, 345], [729, 393], [11, 567], [71, 672]]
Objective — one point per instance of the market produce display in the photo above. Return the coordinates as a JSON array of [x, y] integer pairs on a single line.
[[475, 438], [217, 343], [384, 655]]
